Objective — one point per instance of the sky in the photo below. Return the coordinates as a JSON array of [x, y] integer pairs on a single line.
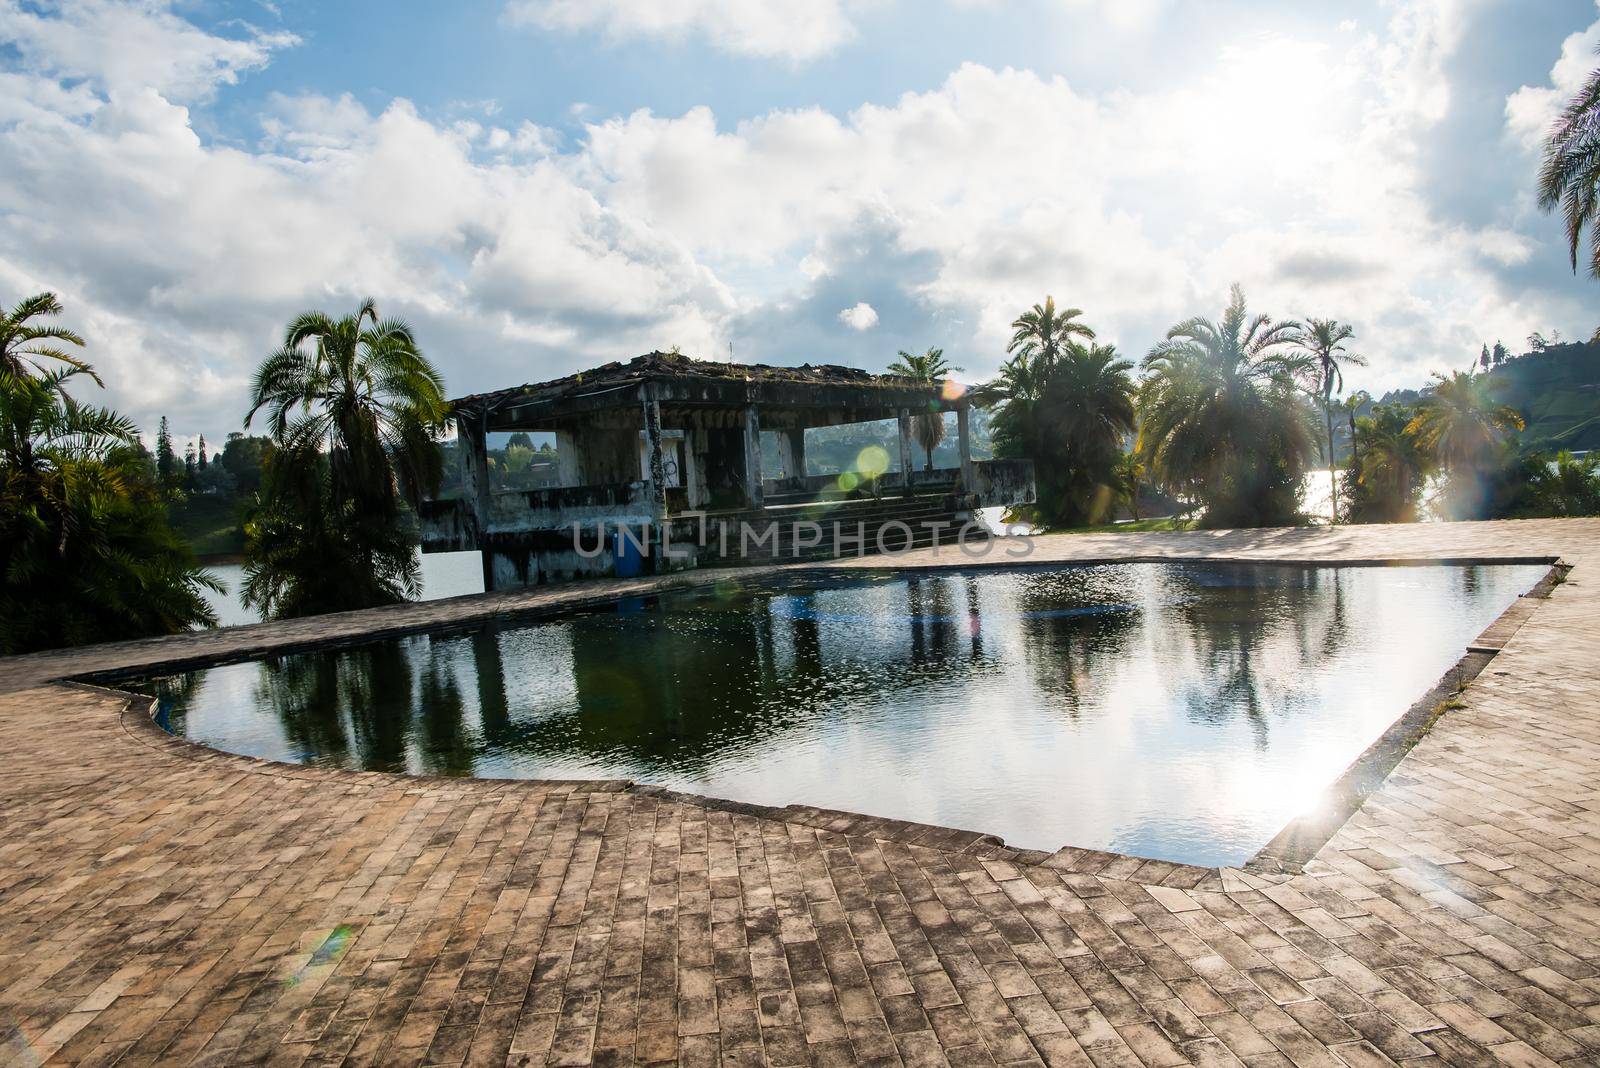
[[540, 186]]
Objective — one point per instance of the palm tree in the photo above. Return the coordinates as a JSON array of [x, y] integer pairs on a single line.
[[1069, 410], [359, 390], [1389, 466], [1570, 177], [1041, 331], [1323, 341], [1130, 479], [353, 407], [48, 439], [1568, 485], [1462, 422], [1014, 396], [1220, 420], [1465, 427], [23, 343], [86, 554], [1352, 408], [927, 427]]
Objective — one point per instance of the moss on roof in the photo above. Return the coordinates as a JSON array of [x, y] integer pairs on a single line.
[[660, 366]]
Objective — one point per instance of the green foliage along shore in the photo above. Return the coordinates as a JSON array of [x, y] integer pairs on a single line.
[[354, 410], [86, 554]]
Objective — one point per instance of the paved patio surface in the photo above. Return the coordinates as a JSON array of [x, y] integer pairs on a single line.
[[161, 903]]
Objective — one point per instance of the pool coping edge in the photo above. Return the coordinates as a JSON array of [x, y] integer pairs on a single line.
[[1293, 847]]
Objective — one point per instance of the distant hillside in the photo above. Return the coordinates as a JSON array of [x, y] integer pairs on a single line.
[[1558, 393], [1557, 390], [835, 448]]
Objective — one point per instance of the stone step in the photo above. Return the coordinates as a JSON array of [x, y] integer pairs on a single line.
[[823, 513], [922, 538]]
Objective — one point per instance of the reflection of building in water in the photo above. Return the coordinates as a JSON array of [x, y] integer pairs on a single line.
[[699, 678], [673, 445]]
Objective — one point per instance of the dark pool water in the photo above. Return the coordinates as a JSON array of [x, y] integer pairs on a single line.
[[1180, 711]]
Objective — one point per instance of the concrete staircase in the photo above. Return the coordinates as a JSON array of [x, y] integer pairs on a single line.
[[932, 519]]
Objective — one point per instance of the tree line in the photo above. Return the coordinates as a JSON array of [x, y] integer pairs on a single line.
[[353, 412], [1225, 421], [86, 553], [1229, 415]]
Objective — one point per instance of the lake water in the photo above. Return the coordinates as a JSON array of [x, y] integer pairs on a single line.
[[443, 575], [1180, 711]]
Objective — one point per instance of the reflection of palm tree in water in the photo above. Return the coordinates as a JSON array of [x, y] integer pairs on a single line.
[[931, 617], [304, 691], [494, 707], [1068, 653], [310, 692], [974, 616], [1252, 639], [446, 746], [1070, 635], [806, 636], [382, 703]]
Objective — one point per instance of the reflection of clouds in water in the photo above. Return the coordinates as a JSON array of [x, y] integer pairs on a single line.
[[1183, 711]]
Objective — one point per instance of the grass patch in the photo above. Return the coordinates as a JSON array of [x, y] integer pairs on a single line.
[[209, 524]]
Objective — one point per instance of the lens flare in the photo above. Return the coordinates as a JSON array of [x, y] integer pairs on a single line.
[[329, 950], [872, 461], [952, 390]]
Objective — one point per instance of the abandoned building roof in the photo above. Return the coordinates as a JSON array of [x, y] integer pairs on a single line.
[[676, 367]]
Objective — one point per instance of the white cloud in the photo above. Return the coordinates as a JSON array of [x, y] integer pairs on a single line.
[[796, 30], [132, 46], [1133, 208], [1531, 110], [180, 260], [860, 316]]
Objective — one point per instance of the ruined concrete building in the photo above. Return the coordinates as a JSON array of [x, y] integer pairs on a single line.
[[659, 467]]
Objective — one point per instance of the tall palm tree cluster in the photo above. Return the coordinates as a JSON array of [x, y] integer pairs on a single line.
[[1064, 397], [353, 408], [1220, 418], [1223, 416], [86, 554]]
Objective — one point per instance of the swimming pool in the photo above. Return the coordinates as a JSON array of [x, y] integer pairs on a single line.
[[1184, 711]]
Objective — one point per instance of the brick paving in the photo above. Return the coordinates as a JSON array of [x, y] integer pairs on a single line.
[[163, 904]]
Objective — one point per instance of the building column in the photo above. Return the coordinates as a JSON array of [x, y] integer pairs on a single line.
[[694, 459], [964, 444], [792, 452], [752, 457], [569, 459], [652, 438], [473, 435], [905, 448]]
